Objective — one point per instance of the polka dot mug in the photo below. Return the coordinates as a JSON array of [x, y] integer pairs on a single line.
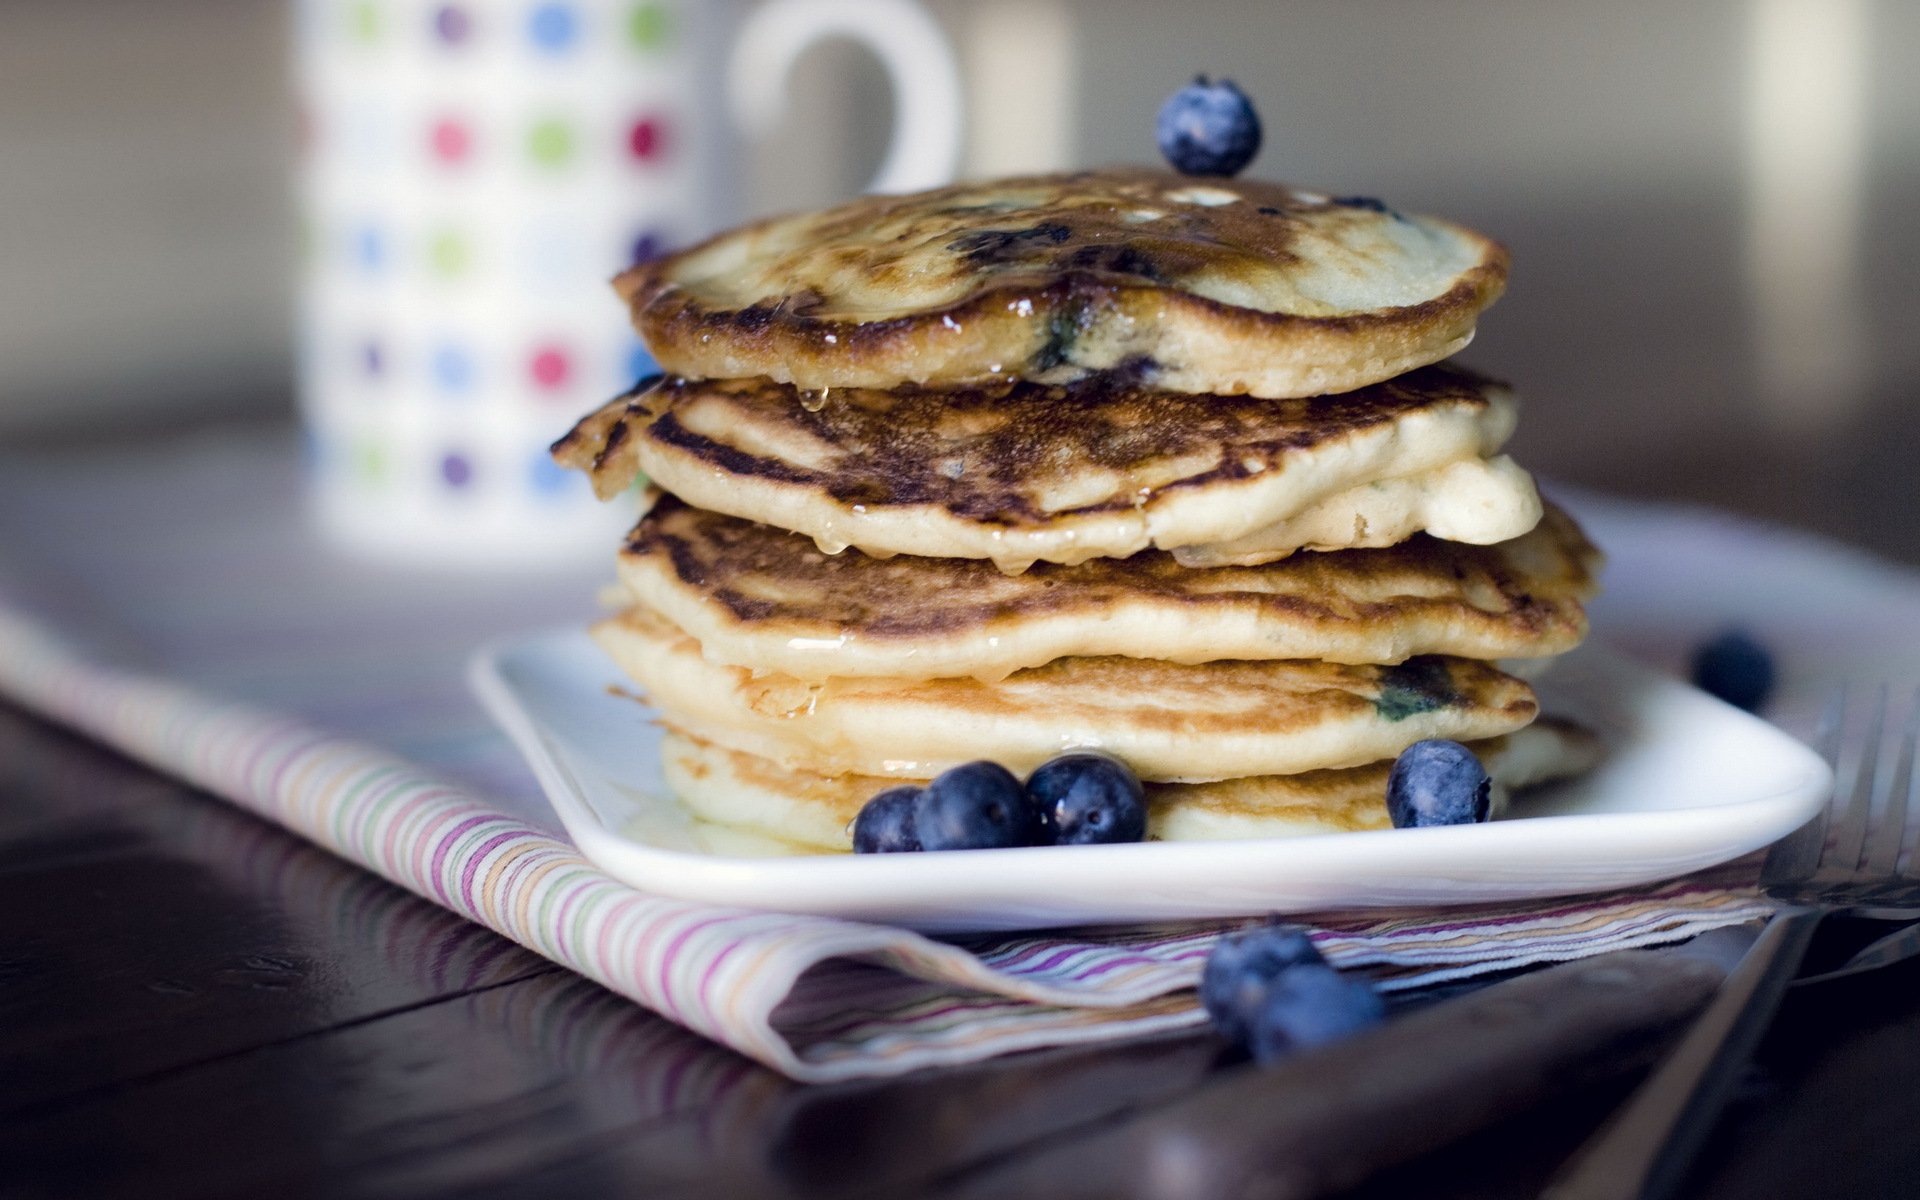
[[471, 174]]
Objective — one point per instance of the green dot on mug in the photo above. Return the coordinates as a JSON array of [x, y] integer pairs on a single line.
[[550, 143], [650, 26], [363, 19], [370, 463], [450, 254]]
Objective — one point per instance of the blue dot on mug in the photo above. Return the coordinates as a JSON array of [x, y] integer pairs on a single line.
[[372, 361], [369, 248], [314, 451], [456, 469], [554, 28], [549, 478], [452, 25], [453, 368], [640, 364]]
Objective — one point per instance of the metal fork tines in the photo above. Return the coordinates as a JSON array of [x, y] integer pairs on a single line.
[[1859, 855], [1865, 840]]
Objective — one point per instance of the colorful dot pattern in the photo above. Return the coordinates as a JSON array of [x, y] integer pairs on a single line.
[[444, 303]]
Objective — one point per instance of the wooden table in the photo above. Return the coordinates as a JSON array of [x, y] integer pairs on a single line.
[[194, 1003]]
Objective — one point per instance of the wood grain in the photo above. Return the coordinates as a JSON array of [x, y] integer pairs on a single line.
[[193, 1003]]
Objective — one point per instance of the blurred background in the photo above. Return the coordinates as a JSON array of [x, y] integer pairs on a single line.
[[1710, 205]]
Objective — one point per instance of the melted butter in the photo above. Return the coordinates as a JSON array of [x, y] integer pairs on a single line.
[[1206, 197], [912, 768], [813, 401]]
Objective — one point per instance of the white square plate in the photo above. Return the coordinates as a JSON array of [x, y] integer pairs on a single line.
[[1687, 782]]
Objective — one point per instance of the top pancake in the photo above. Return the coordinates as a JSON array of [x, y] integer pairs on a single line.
[[1218, 286], [1019, 473]]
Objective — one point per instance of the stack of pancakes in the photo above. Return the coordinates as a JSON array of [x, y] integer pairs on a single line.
[[1118, 459]]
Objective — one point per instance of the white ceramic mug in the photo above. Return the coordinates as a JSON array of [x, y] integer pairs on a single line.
[[472, 173]]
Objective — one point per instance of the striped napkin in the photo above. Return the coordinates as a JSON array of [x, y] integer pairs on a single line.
[[329, 702]]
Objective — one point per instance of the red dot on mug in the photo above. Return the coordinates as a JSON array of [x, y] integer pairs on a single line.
[[451, 141], [647, 140], [550, 367]]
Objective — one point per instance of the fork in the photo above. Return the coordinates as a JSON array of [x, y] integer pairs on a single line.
[[1839, 861]]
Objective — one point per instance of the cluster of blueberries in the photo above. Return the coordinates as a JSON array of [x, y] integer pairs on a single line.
[[1268, 989], [1087, 797], [1079, 799]]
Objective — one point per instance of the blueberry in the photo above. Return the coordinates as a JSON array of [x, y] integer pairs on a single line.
[[1241, 968], [1736, 668], [1208, 128], [1311, 1005], [1086, 798], [885, 823], [1437, 782], [976, 806]]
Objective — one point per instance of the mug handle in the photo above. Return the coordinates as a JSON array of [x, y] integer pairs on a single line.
[[920, 64]]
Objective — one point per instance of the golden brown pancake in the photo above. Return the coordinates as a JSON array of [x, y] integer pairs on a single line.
[[1170, 721], [1222, 286], [807, 808], [759, 597], [1024, 472]]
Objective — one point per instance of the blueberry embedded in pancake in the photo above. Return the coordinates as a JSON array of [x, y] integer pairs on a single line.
[[759, 597], [1023, 472], [1215, 286], [1169, 721]]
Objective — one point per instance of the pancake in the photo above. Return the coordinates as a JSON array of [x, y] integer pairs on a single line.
[[1222, 286], [1170, 721], [805, 808], [759, 597], [1020, 473]]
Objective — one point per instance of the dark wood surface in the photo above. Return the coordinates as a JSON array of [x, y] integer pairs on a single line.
[[193, 1003]]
